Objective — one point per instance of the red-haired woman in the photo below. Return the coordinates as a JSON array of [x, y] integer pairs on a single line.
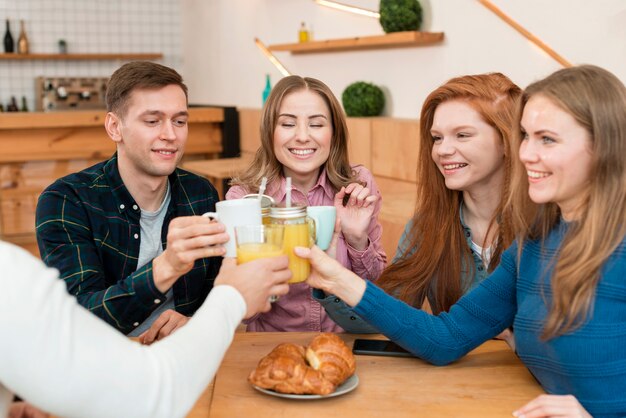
[[461, 224]]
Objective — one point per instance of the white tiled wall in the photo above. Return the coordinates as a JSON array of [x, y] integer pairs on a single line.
[[88, 26]]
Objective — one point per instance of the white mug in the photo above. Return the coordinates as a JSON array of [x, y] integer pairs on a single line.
[[234, 213]]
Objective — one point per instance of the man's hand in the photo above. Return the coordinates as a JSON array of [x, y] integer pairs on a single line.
[[168, 322], [356, 215], [565, 406], [189, 238], [256, 280], [25, 410]]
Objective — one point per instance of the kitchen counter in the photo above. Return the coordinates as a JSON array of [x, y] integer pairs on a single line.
[[39, 147]]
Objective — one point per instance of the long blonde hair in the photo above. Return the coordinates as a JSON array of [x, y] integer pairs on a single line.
[[437, 237], [597, 100], [265, 163]]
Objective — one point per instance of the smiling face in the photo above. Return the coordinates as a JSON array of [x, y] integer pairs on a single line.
[[556, 151], [152, 134], [467, 150], [302, 136]]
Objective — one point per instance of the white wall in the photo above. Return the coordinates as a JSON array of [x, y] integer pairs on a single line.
[[222, 65], [112, 26]]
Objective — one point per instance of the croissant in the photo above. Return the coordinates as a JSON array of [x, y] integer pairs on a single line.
[[331, 356], [285, 370]]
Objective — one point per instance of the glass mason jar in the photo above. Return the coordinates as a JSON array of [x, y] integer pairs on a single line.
[[299, 232]]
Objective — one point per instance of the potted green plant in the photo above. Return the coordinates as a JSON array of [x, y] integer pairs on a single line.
[[400, 15], [363, 99]]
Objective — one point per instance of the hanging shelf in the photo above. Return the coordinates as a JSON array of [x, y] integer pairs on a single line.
[[390, 40]]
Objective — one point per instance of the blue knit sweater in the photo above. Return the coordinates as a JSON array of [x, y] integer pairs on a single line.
[[589, 363]]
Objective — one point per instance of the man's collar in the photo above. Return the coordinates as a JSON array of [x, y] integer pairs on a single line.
[[124, 200]]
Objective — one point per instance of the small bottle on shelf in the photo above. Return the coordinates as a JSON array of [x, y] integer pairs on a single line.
[[24, 107], [268, 88], [62, 46], [303, 33], [22, 41], [12, 106], [9, 44]]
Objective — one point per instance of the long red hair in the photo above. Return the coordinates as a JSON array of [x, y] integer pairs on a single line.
[[437, 249]]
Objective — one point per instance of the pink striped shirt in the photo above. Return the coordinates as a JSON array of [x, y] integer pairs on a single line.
[[298, 311]]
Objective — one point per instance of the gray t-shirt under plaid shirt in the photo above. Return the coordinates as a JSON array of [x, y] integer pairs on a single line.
[[150, 247]]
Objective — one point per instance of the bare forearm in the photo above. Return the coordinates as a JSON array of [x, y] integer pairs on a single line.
[[358, 242], [163, 274], [349, 287]]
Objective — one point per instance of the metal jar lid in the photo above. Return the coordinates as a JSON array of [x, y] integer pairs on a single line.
[[266, 201], [281, 212]]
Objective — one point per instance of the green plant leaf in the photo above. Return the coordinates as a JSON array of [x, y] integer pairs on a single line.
[[400, 15], [363, 99]]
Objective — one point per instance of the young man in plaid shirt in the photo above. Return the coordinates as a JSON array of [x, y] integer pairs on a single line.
[[126, 234]]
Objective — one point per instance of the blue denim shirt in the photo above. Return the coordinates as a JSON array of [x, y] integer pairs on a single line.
[[345, 317]]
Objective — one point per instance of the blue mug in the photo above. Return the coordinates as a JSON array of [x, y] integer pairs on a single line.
[[324, 217]]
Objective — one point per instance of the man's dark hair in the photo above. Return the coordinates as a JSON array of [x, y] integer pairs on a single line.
[[138, 75]]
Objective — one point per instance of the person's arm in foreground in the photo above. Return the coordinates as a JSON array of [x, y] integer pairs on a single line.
[[441, 339], [66, 361]]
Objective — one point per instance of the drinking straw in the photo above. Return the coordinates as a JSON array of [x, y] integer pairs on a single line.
[[262, 188], [288, 203]]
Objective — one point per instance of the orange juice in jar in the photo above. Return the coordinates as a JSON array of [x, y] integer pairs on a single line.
[[299, 232]]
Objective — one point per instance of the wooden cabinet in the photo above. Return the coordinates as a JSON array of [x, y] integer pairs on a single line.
[[388, 147], [38, 148]]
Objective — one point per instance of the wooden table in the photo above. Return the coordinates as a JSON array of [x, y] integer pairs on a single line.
[[488, 382]]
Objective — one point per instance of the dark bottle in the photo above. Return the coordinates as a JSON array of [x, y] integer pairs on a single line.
[[24, 107], [12, 106], [9, 44]]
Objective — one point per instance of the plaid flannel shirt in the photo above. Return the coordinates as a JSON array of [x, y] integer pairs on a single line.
[[88, 229]]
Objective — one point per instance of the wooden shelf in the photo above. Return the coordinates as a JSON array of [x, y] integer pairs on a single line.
[[390, 40], [81, 57]]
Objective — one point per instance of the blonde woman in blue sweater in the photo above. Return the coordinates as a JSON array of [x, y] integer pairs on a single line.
[[562, 283]]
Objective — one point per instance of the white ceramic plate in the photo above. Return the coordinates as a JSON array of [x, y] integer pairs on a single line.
[[349, 385]]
